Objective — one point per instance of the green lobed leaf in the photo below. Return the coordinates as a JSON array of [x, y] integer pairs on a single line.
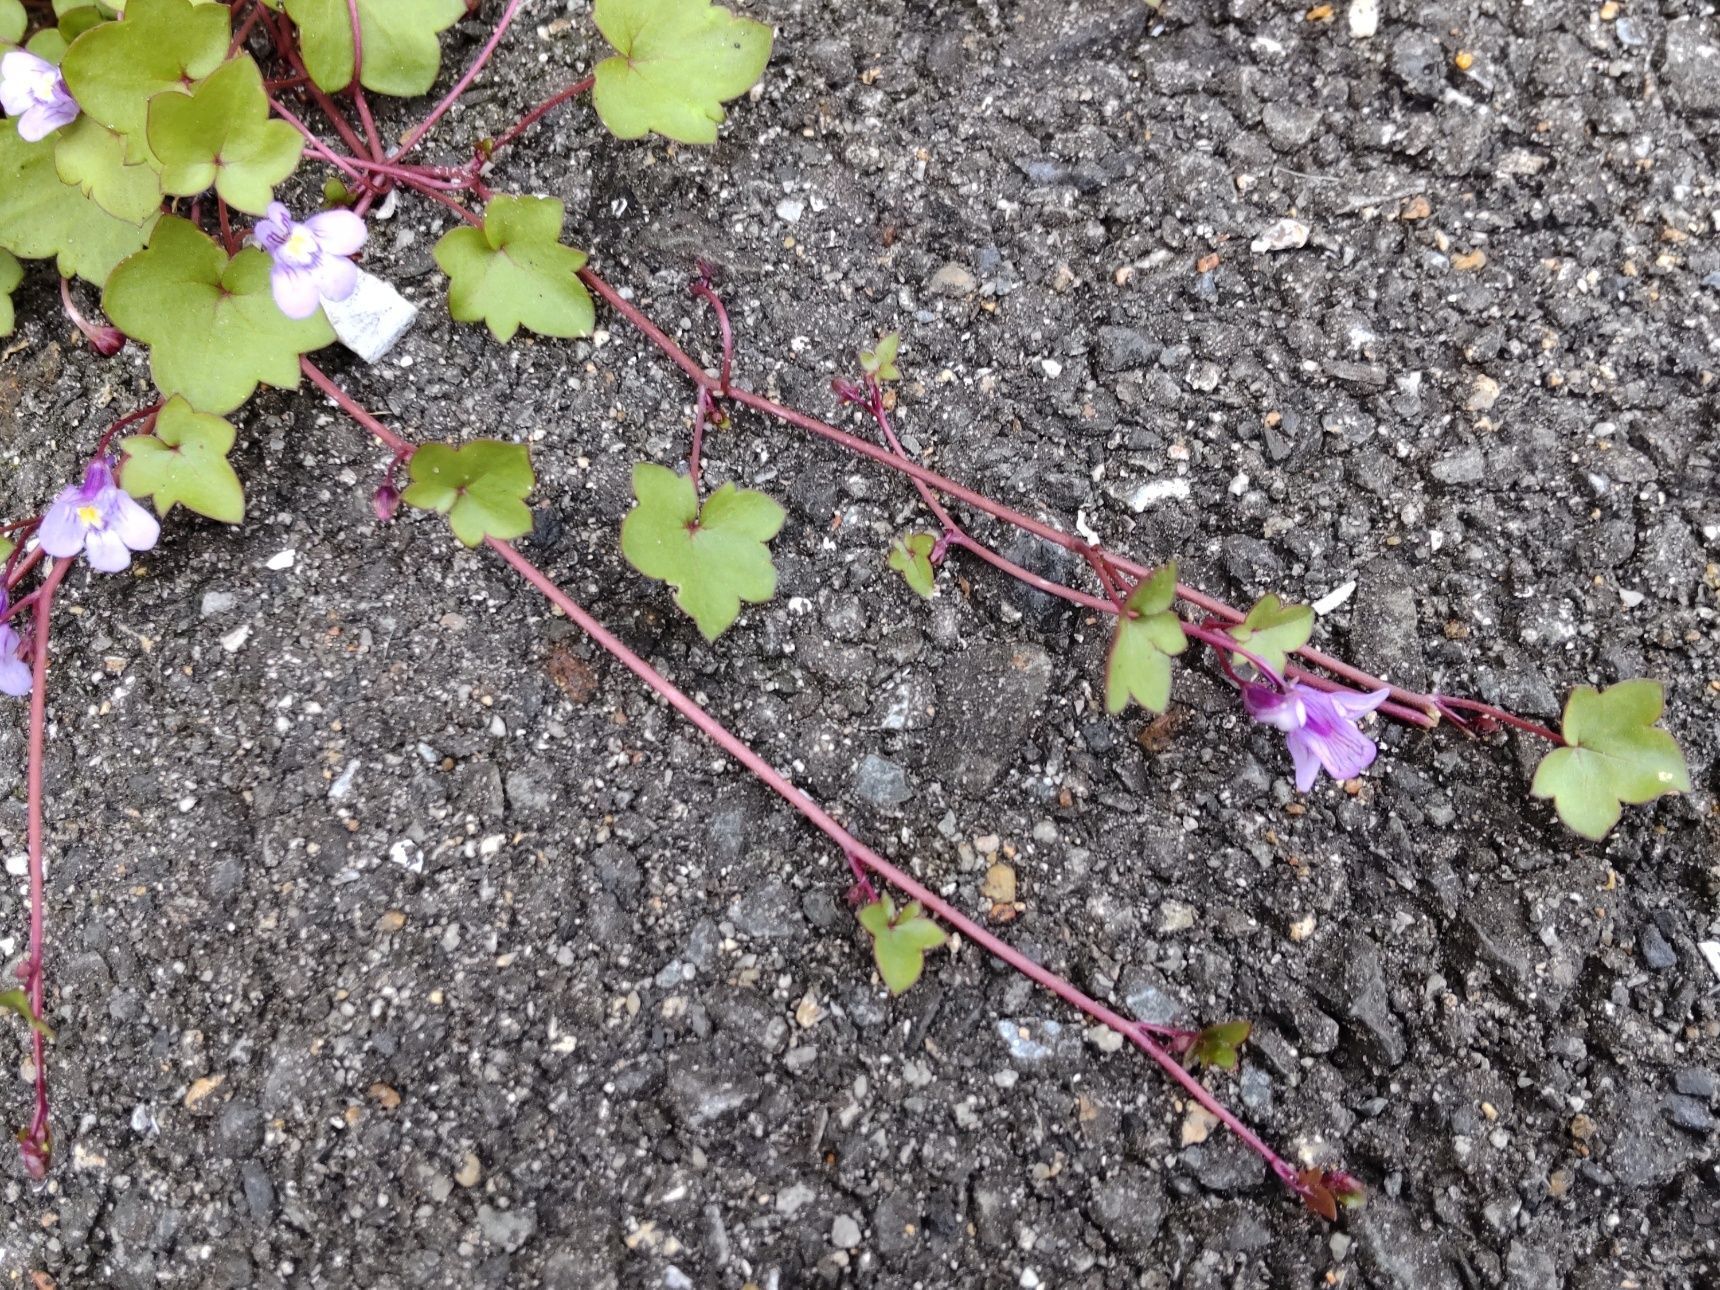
[[115, 69], [1220, 1045], [480, 487], [900, 941], [19, 1002], [676, 63], [214, 330], [221, 134], [94, 159], [13, 21], [912, 558], [1139, 666], [714, 558], [1616, 755], [7, 546], [1272, 630], [185, 463], [42, 216], [401, 51], [11, 274], [515, 273], [881, 362]]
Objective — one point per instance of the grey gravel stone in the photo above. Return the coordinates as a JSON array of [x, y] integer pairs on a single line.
[[880, 782]]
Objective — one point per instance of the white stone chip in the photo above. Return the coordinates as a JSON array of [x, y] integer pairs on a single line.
[[1711, 952], [371, 321], [1284, 235], [1364, 18], [1335, 597], [281, 561]]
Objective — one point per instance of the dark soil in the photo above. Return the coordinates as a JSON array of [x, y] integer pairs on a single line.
[[401, 939]]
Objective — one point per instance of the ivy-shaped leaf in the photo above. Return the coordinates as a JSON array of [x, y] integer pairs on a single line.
[[1615, 754], [480, 487], [42, 216], [19, 1002], [1220, 1045], [515, 273], [51, 43], [94, 158], [114, 69], [676, 63], [214, 330], [221, 134], [401, 51], [185, 463], [11, 274], [900, 940], [714, 558], [912, 558], [1272, 630], [1147, 635], [881, 362], [13, 21]]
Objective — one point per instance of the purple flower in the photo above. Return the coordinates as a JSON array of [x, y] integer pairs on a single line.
[[100, 519], [14, 671], [33, 90], [310, 258], [1319, 727]]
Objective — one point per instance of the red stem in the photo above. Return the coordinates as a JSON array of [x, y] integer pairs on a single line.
[[410, 139], [346, 403], [542, 110], [1499, 714], [858, 851], [950, 488], [702, 289], [37, 1138]]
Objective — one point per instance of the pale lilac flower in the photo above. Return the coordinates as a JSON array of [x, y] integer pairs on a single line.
[[310, 259], [33, 90], [100, 519], [14, 671], [1319, 727]]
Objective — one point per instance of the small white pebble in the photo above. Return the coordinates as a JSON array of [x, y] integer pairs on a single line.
[[282, 561]]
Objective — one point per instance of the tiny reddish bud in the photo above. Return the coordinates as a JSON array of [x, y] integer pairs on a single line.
[[386, 502], [106, 341]]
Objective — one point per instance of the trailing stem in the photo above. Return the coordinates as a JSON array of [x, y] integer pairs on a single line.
[[37, 1141], [862, 860]]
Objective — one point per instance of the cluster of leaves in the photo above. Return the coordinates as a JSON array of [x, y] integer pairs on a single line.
[[167, 107]]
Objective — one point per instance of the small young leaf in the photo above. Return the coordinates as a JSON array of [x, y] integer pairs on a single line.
[[19, 1002], [912, 558], [1219, 1045], [900, 941], [676, 63], [881, 362], [515, 273], [7, 546], [115, 68], [42, 216], [93, 158], [1139, 666], [714, 558], [1272, 630], [13, 21], [401, 51], [185, 462], [214, 330], [1616, 754], [481, 488], [11, 274], [1316, 1195], [221, 134]]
